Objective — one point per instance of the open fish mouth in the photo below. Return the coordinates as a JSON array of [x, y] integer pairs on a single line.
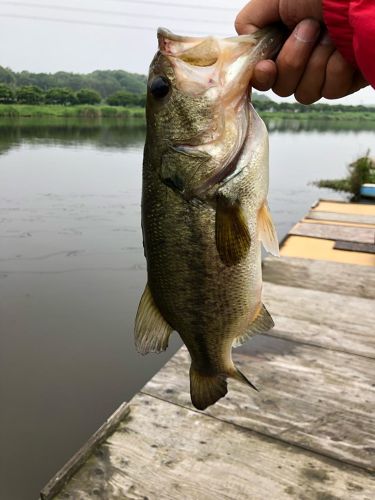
[[219, 71]]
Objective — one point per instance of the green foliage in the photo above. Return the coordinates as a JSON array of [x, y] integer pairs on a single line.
[[124, 98], [7, 76], [88, 96], [77, 111], [29, 94], [360, 172], [6, 94], [104, 82], [60, 96]]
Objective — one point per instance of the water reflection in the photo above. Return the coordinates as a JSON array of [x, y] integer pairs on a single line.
[[108, 133]]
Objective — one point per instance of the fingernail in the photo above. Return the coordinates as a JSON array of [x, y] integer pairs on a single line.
[[307, 31]]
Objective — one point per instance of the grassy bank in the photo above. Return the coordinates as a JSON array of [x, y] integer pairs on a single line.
[[80, 111], [346, 116], [87, 111]]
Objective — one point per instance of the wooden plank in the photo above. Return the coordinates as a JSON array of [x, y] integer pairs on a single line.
[[345, 207], [62, 477], [341, 217], [319, 249], [162, 451], [319, 318], [308, 396], [335, 232], [346, 279], [351, 246], [336, 223]]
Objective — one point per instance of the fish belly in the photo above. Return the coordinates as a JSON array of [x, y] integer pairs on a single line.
[[206, 302]]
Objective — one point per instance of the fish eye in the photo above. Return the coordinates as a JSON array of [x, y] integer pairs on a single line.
[[160, 87]]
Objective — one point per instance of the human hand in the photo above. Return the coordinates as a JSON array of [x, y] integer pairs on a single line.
[[308, 65]]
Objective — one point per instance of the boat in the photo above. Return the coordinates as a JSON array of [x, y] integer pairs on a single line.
[[367, 190]]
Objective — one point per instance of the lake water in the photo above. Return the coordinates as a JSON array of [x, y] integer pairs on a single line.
[[72, 271]]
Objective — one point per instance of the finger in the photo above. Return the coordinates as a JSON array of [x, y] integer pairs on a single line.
[[264, 75], [294, 56], [255, 15], [310, 86], [339, 77]]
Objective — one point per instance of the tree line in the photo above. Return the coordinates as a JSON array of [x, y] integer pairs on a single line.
[[105, 82], [320, 107], [32, 94]]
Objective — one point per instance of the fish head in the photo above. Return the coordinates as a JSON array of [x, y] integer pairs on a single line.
[[198, 106]]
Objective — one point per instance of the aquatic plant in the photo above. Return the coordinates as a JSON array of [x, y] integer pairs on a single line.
[[360, 171]]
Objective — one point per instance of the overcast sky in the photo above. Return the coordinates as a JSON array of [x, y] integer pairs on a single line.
[[121, 36]]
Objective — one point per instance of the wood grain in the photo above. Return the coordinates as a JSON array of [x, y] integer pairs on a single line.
[[341, 217], [300, 387], [56, 484], [352, 246], [335, 232], [331, 320], [346, 279], [162, 451]]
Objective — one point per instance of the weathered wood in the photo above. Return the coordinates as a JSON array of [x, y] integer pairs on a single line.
[[346, 279], [162, 451], [320, 318], [56, 484], [352, 246], [344, 207], [341, 217], [321, 336], [335, 232], [308, 396]]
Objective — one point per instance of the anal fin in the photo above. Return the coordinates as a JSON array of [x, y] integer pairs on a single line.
[[231, 232], [267, 231], [261, 323], [151, 331]]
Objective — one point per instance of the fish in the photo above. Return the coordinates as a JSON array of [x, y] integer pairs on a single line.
[[204, 204]]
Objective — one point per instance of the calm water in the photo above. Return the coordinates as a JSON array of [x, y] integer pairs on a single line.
[[72, 271]]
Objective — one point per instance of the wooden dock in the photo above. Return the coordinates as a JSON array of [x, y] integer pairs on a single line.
[[310, 431]]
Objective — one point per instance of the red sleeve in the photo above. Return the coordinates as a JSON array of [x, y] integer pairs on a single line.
[[351, 25]]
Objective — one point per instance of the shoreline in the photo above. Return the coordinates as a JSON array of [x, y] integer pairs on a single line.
[[105, 111], [60, 111]]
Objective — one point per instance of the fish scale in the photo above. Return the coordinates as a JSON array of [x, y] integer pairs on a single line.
[[202, 221]]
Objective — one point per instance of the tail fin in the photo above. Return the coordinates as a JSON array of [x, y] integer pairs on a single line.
[[205, 390], [237, 375]]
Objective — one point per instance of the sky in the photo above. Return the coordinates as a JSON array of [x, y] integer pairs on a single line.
[[49, 36]]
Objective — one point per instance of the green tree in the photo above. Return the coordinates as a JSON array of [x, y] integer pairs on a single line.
[[60, 96], [124, 98], [30, 94], [6, 94], [7, 76], [88, 96]]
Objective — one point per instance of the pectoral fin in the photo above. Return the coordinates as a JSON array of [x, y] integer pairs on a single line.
[[151, 331], [267, 231], [231, 232], [262, 323]]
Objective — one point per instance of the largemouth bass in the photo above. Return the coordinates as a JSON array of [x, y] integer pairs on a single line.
[[204, 204]]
